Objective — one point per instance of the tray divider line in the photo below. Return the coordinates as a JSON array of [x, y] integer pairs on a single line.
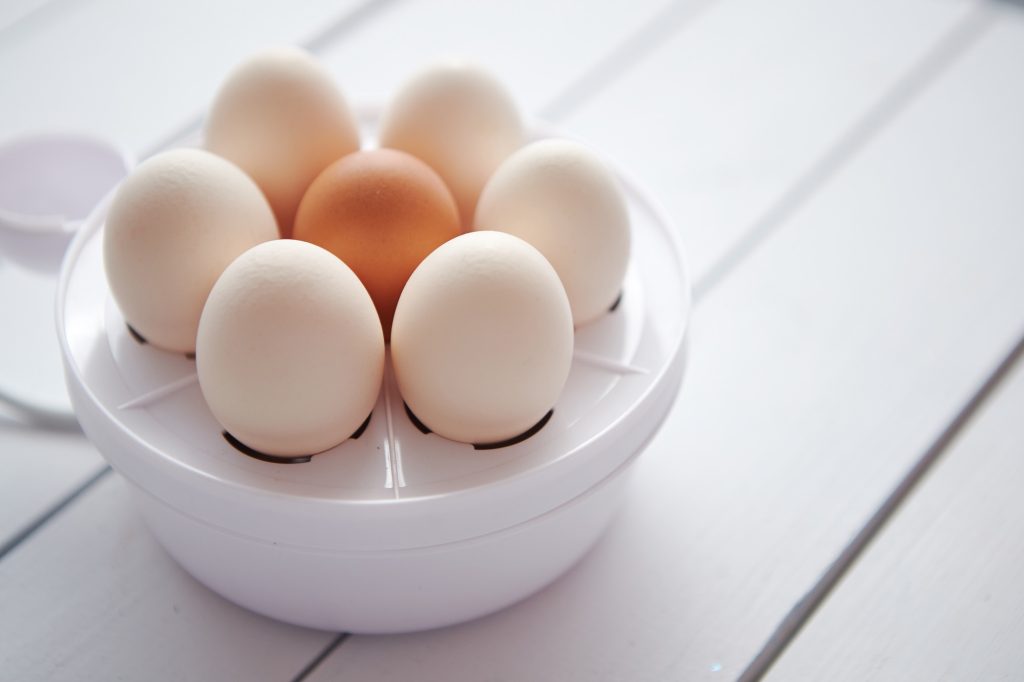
[[394, 474], [607, 364], [804, 609], [157, 394]]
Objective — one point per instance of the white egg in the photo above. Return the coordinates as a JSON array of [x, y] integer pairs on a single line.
[[290, 352], [282, 119], [458, 119], [560, 197], [175, 223], [482, 339]]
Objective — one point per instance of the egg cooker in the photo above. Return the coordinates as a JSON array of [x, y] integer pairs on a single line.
[[49, 182], [395, 529]]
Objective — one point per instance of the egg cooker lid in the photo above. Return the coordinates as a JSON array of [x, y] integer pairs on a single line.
[[49, 183], [394, 487]]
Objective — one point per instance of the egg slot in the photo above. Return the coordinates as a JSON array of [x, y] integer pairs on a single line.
[[529, 433], [262, 456], [616, 304], [424, 429], [136, 335], [147, 370], [161, 390], [142, 341], [362, 427], [274, 459], [533, 430]]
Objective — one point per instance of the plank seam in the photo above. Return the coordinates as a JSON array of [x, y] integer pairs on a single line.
[[321, 657], [806, 607], [943, 53], [34, 13], [662, 26], [46, 516]]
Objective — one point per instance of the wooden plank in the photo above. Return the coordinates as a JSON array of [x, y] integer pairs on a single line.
[[67, 598], [40, 468], [14, 11], [820, 371], [134, 71], [724, 119], [537, 49], [937, 596]]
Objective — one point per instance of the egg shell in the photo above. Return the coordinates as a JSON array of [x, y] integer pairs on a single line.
[[281, 118], [482, 340], [290, 353], [458, 119], [174, 224], [381, 211], [561, 198]]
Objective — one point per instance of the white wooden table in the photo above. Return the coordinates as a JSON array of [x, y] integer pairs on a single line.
[[836, 494]]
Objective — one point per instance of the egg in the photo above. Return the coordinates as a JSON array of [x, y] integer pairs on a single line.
[[560, 197], [482, 340], [173, 226], [458, 119], [290, 353], [381, 211], [282, 119]]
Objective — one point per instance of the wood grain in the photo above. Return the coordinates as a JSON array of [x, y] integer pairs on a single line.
[[937, 596]]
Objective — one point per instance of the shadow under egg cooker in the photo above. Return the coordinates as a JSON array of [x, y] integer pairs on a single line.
[[396, 530]]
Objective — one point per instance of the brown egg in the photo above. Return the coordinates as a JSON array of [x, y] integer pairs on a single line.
[[381, 211]]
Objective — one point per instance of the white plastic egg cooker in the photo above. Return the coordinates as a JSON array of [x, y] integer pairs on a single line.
[[397, 529]]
